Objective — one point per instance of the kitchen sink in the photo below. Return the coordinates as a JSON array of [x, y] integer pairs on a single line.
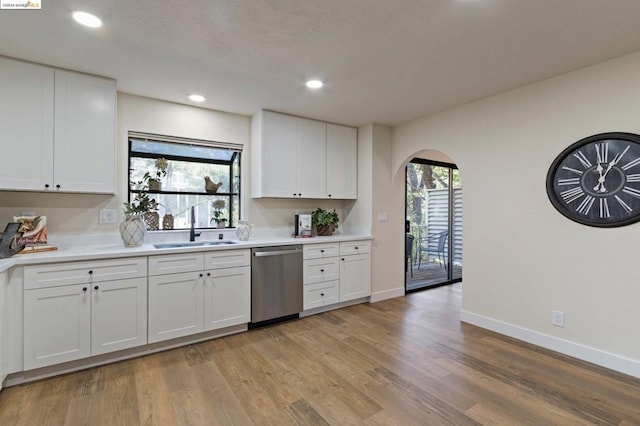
[[193, 244]]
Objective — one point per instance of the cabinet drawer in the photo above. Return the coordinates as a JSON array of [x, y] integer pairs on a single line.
[[175, 263], [54, 275], [355, 247], [320, 251], [321, 294], [320, 270], [227, 259]]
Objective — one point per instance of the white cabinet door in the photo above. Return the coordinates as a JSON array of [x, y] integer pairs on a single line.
[[355, 276], [227, 297], [279, 155], [85, 146], [26, 126], [175, 305], [118, 315], [311, 159], [342, 161], [57, 325]]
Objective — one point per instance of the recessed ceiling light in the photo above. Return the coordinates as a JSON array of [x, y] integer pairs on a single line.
[[87, 19], [196, 98], [314, 84]]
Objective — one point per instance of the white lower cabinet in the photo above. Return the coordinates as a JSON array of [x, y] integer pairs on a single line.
[[175, 305], [196, 299], [336, 272], [321, 294], [227, 297], [118, 315], [355, 270], [65, 322], [320, 274]]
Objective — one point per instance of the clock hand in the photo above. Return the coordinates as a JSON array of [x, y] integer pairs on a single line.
[[615, 160], [600, 186]]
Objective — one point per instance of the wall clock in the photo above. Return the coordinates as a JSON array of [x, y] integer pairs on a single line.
[[596, 181]]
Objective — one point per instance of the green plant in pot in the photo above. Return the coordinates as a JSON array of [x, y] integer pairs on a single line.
[[143, 205], [154, 178], [218, 215], [324, 221], [141, 202], [133, 227]]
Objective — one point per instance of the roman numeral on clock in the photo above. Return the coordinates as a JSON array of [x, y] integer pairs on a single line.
[[569, 169], [631, 191], [603, 152], [583, 160], [604, 208], [633, 178], [631, 163], [572, 194], [570, 181], [624, 205], [586, 204]]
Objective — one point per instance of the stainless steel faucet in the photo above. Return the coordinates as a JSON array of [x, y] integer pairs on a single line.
[[192, 232]]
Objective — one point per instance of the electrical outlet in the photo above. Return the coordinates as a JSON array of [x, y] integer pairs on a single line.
[[107, 216], [557, 318]]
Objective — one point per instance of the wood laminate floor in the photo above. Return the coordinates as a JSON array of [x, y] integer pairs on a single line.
[[405, 361]]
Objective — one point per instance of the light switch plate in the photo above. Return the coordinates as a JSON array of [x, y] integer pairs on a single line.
[[383, 216], [107, 216]]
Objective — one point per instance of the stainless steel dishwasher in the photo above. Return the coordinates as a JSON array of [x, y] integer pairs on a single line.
[[276, 284]]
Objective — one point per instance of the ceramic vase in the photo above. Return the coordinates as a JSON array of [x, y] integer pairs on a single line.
[[243, 230], [132, 231], [167, 221]]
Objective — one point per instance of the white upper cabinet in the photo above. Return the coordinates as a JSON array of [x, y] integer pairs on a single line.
[[26, 125], [292, 157], [342, 159], [84, 149], [59, 129], [279, 148], [311, 158]]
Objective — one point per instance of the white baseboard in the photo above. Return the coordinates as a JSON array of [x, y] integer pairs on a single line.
[[595, 356], [387, 294]]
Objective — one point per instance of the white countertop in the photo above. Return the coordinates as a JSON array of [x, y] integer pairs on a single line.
[[92, 247], [6, 264]]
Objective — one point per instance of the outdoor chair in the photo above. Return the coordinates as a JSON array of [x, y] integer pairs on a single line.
[[408, 250], [436, 244]]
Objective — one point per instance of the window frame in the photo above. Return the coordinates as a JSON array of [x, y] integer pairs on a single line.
[[236, 156]]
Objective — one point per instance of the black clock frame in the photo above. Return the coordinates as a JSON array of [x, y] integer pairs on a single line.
[[561, 206]]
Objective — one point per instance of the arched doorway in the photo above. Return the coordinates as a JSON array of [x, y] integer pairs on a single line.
[[433, 227]]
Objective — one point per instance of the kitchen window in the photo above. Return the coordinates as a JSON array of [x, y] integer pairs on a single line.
[[202, 174]]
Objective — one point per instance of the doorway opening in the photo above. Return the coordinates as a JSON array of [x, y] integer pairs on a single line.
[[433, 226]]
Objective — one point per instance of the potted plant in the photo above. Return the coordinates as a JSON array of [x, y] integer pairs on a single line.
[[133, 227], [153, 178], [218, 215], [324, 222]]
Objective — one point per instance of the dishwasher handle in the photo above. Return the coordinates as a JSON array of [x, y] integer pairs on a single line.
[[276, 252]]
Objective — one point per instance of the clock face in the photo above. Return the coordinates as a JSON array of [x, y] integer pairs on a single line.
[[596, 181]]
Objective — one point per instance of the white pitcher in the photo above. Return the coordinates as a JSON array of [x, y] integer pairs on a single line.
[[243, 230]]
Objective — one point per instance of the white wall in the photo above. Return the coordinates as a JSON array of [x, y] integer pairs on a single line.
[[78, 213], [522, 259]]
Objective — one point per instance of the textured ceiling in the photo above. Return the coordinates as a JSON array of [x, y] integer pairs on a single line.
[[383, 61]]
